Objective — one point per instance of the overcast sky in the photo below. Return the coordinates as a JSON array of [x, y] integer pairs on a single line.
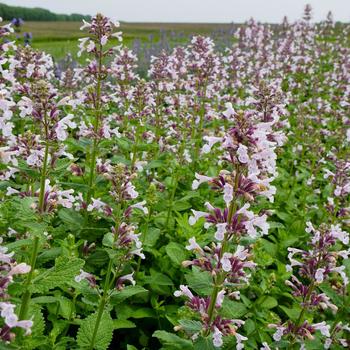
[[194, 10]]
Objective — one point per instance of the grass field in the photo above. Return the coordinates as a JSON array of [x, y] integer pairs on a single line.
[[60, 38]]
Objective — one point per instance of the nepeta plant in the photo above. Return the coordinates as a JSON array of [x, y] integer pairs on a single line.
[[110, 169], [250, 158], [315, 267]]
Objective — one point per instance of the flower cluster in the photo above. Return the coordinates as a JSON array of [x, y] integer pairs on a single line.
[[314, 267], [10, 268]]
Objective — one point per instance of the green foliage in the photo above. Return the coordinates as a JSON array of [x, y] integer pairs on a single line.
[[36, 14], [60, 275], [103, 336]]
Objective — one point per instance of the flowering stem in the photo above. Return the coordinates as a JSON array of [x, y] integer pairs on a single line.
[[27, 295], [102, 304], [211, 307], [143, 239], [172, 197], [43, 179], [96, 126], [217, 286]]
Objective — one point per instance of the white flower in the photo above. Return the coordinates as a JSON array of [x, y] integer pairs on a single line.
[[265, 346], [129, 277], [242, 153], [140, 206], [323, 328], [340, 270], [337, 233], [10, 191], [138, 252], [220, 231], [199, 180], [319, 275], [184, 290], [82, 276], [193, 245], [19, 269], [63, 125], [220, 298], [228, 193], [226, 262], [229, 112], [196, 216], [240, 338], [11, 319], [85, 25], [91, 46], [211, 142], [130, 190], [96, 204], [279, 333], [104, 40], [217, 338]]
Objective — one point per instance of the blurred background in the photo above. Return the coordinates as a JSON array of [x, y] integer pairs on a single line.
[[154, 25]]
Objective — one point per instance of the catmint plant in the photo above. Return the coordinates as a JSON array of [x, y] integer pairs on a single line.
[[320, 264]]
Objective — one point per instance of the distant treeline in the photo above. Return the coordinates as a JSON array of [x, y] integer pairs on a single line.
[[36, 14]]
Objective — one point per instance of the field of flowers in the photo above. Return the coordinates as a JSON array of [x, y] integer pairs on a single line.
[[205, 206]]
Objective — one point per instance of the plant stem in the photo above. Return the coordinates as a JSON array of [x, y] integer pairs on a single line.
[[27, 294], [172, 197], [102, 304], [43, 179], [143, 239], [96, 126], [211, 307], [217, 285]]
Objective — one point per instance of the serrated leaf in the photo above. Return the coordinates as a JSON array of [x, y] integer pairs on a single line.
[[200, 282], [176, 252], [127, 292], [191, 326], [204, 344], [267, 302], [173, 340], [158, 279], [122, 324], [104, 333], [293, 313], [232, 309], [63, 272], [44, 300], [71, 218]]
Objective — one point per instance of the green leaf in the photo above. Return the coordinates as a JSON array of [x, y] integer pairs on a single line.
[[127, 292], [130, 347], [108, 240], [200, 281], [63, 272], [232, 309], [104, 333], [159, 279], [204, 344], [44, 300], [176, 252], [172, 340], [71, 218], [66, 307], [151, 236], [191, 326], [122, 324], [293, 313], [181, 205], [267, 302]]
